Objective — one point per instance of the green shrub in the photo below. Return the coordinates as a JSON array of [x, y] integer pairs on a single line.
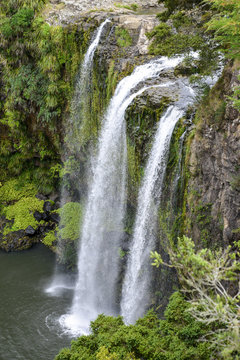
[[49, 238], [71, 216], [14, 190], [36, 86], [123, 37], [22, 214], [175, 338]]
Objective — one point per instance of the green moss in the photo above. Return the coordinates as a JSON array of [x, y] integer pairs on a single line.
[[141, 125], [235, 182], [111, 80], [132, 7], [172, 5], [50, 238], [180, 19], [166, 43], [14, 190], [182, 34], [123, 37], [22, 214], [71, 216]]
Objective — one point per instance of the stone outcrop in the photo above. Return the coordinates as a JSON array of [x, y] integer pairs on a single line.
[[213, 199], [24, 239], [67, 11]]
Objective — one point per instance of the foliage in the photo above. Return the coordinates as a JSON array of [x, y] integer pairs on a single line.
[[71, 216], [123, 37], [235, 182], [36, 87], [132, 7], [184, 37], [111, 80], [49, 238], [172, 5], [175, 338], [167, 43], [205, 275], [225, 24], [22, 214], [11, 6], [14, 190]]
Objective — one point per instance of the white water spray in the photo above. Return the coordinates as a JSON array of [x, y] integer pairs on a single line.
[[79, 107], [98, 261], [137, 282], [135, 293]]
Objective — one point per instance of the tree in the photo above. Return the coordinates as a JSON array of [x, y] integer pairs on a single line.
[[206, 277]]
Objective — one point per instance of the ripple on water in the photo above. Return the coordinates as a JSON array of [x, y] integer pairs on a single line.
[[29, 325]]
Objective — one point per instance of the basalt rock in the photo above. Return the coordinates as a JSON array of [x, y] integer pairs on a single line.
[[213, 200], [17, 240]]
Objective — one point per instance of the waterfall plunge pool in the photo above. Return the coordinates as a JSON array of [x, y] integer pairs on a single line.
[[29, 326]]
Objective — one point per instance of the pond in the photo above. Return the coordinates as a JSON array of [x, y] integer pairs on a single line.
[[29, 327]]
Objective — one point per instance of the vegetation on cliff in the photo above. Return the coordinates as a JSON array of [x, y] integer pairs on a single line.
[[207, 324], [36, 89], [38, 66]]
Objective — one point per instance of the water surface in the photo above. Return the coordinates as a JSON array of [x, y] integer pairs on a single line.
[[29, 328]]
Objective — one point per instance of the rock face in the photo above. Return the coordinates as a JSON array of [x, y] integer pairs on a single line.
[[213, 199], [24, 238], [84, 6], [75, 11]]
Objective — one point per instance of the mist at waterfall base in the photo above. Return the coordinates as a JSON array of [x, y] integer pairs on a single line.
[[103, 227]]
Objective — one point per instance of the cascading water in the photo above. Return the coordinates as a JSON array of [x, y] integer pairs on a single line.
[[136, 286], [79, 107], [102, 229], [135, 294]]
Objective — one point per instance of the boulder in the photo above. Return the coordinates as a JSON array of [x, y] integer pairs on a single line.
[[30, 230]]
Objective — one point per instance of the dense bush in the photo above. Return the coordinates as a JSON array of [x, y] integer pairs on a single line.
[[175, 338], [38, 65]]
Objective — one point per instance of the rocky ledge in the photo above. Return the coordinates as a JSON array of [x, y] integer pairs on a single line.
[[72, 11]]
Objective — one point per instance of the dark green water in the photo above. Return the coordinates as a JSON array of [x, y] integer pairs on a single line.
[[29, 328]]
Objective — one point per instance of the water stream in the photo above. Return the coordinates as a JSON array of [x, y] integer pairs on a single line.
[[138, 276], [98, 264], [135, 294], [79, 107]]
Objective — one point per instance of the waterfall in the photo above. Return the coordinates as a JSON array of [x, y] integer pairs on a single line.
[[79, 107], [137, 281], [102, 230], [135, 293]]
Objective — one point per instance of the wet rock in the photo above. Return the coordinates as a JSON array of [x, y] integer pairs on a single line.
[[54, 197], [47, 207], [214, 163], [30, 230], [125, 244], [39, 216], [54, 217], [16, 241], [41, 197]]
